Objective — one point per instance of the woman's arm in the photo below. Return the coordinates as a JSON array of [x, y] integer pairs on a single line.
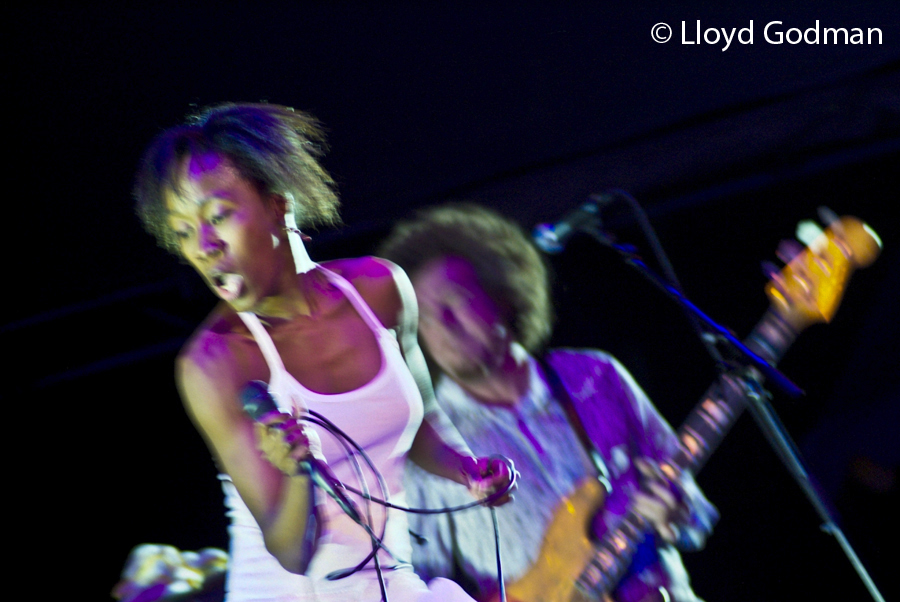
[[438, 446], [209, 380]]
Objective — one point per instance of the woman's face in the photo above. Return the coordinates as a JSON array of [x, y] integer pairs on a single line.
[[228, 231], [460, 325]]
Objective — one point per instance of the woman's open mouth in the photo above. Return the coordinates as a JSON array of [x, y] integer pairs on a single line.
[[228, 286]]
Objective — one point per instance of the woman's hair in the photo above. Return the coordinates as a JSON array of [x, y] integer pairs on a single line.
[[508, 266], [275, 147]]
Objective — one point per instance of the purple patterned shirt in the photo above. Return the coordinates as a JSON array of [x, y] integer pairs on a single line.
[[535, 433]]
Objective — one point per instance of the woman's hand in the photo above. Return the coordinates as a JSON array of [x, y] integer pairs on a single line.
[[661, 501], [285, 441], [486, 476]]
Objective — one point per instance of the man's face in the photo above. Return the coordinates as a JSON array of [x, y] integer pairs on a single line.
[[459, 324]]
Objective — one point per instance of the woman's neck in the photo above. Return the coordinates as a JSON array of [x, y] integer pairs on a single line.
[[297, 298]]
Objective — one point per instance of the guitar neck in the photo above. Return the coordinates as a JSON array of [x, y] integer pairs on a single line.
[[722, 404], [806, 291], [700, 435]]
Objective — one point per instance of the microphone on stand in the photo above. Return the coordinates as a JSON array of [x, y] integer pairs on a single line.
[[552, 238], [258, 403]]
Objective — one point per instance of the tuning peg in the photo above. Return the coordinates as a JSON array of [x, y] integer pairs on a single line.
[[808, 232], [833, 221], [770, 270], [827, 216], [788, 249]]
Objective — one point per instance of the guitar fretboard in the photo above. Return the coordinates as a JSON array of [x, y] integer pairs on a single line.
[[699, 435]]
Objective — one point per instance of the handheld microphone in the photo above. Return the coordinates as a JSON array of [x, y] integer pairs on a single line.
[[258, 403], [552, 238]]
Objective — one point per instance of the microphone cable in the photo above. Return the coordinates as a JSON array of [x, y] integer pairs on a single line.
[[353, 452], [377, 541]]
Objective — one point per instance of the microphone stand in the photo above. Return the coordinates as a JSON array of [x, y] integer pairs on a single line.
[[759, 407]]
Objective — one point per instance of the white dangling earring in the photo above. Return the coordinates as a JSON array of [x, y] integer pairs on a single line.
[[302, 261]]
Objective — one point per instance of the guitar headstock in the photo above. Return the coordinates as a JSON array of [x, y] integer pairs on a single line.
[[810, 287]]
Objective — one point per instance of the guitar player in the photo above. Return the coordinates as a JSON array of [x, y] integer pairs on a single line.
[[485, 312]]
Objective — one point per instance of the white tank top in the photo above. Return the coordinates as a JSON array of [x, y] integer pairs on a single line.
[[382, 417]]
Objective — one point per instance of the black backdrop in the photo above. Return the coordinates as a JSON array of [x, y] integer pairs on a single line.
[[425, 104]]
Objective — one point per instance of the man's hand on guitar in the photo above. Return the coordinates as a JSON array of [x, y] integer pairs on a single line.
[[661, 501]]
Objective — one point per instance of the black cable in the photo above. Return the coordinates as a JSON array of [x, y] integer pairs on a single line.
[[500, 579], [336, 430], [352, 450], [708, 339], [486, 501], [352, 455], [377, 542]]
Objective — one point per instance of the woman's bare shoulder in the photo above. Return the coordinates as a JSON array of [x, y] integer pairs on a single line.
[[214, 363], [367, 268], [376, 280], [212, 346]]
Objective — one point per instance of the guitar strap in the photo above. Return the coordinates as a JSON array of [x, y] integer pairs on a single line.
[[646, 554], [561, 394]]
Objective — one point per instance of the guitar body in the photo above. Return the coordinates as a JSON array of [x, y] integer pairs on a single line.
[[565, 550]]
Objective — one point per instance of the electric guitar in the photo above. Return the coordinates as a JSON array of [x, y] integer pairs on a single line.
[[573, 568]]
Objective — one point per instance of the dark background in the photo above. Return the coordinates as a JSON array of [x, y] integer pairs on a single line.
[[527, 107]]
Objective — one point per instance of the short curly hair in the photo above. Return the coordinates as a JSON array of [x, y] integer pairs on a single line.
[[275, 147], [508, 266]]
